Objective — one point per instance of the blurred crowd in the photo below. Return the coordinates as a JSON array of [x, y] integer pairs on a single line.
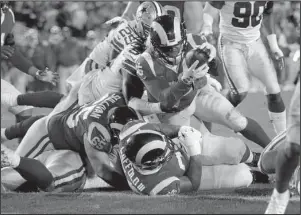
[[60, 35]]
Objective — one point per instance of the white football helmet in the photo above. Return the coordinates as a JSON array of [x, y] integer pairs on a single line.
[[145, 15]]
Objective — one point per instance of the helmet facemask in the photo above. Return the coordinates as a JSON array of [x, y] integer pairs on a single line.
[[168, 38]]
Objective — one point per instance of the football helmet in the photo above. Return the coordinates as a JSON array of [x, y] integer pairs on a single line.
[[145, 15], [148, 150], [118, 117], [168, 38]]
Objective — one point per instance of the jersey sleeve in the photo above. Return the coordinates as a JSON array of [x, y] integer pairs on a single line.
[[269, 7], [168, 186], [99, 137], [217, 4]]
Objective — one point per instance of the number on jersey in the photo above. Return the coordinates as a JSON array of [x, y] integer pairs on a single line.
[[248, 14], [126, 33]]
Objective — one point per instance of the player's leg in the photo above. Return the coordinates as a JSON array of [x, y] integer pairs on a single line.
[[21, 169], [9, 92], [236, 70], [218, 150], [67, 169], [36, 140], [19, 129], [214, 107], [287, 158], [262, 67], [225, 176]]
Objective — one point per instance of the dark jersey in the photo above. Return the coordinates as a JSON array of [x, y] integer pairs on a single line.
[[161, 181], [150, 69], [66, 129]]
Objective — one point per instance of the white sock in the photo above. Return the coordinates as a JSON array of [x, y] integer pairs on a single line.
[[250, 158], [281, 196], [3, 136], [9, 99], [279, 121]]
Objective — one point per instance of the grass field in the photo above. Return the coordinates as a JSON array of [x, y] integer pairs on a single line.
[[252, 200]]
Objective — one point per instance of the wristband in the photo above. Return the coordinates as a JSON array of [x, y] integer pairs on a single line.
[[272, 40], [194, 150]]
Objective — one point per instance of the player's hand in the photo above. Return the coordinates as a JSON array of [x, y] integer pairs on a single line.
[[191, 139], [115, 21], [7, 52], [47, 75], [214, 83], [188, 73], [279, 57], [201, 71], [209, 49]]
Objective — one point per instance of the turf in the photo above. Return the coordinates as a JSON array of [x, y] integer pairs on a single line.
[[252, 200]]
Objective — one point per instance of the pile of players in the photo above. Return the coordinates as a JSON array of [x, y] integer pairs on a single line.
[[139, 112]]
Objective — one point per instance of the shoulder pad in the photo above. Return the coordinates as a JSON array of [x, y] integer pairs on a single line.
[[99, 137], [145, 66]]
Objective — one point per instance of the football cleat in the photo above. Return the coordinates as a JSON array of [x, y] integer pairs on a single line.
[[255, 160], [294, 185], [259, 177]]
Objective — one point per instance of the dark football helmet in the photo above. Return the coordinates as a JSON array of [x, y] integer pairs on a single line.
[[148, 150], [118, 117], [168, 38]]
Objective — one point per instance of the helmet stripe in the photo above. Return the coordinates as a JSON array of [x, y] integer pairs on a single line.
[[156, 144], [158, 8], [161, 32]]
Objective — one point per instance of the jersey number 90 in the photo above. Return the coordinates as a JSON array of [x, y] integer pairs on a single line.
[[247, 14]]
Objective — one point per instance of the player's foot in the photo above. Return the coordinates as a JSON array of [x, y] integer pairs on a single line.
[[278, 202], [274, 144], [294, 185], [8, 157], [259, 177], [254, 163]]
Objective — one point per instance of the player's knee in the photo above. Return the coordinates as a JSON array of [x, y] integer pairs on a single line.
[[235, 120], [236, 99], [233, 150]]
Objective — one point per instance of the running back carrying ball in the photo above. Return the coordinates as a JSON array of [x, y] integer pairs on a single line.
[[196, 54]]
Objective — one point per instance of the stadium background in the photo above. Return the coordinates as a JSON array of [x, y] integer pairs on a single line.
[[41, 25]]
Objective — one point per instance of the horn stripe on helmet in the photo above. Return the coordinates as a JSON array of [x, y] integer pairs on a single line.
[[161, 33], [156, 144], [131, 130], [116, 126], [158, 8]]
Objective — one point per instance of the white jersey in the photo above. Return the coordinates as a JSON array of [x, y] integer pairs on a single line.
[[241, 21], [115, 42]]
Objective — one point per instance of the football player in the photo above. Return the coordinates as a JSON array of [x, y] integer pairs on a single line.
[[282, 156], [51, 171], [189, 11], [163, 71], [102, 80], [242, 51], [154, 164], [11, 53]]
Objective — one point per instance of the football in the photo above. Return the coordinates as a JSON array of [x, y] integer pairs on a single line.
[[196, 54]]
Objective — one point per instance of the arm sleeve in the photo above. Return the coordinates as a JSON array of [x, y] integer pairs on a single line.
[[20, 62], [158, 87], [48, 99]]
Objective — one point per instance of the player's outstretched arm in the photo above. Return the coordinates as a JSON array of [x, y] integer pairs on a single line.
[[159, 88], [130, 10], [191, 139], [269, 29]]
